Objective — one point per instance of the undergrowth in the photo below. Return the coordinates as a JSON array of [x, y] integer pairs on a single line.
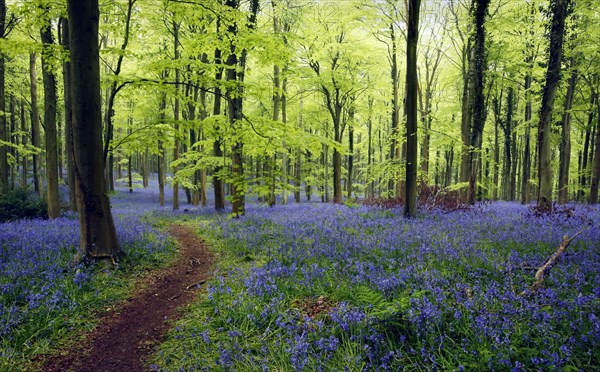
[[334, 288], [47, 301]]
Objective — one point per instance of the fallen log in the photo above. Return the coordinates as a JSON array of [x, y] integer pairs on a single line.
[[540, 274]]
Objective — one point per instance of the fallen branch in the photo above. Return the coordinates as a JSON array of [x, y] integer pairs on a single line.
[[196, 284], [541, 272]]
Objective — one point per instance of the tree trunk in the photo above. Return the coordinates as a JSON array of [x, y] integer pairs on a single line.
[[298, 165], [337, 160], [596, 160], [526, 173], [565, 143], [465, 126], [50, 124], [68, 101], [3, 132], [176, 117], [587, 148], [35, 125], [410, 203], [97, 229], [23, 142], [217, 151], [544, 200], [395, 129], [478, 103], [162, 153], [350, 150]]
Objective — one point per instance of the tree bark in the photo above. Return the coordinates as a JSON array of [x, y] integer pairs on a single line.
[[162, 153], [3, 132], [478, 103], [565, 143], [410, 202], [526, 173], [176, 116], [351, 111], [50, 124], [23, 142], [35, 124], [596, 160], [559, 10], [64, 25], [217, 151], [97, 229]]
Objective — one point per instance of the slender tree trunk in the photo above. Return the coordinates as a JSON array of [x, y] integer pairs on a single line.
[[50, 124], [526, 173], [410, 203], [544, 200], [596, 160], [35, 125], [298, 166], [337, 159], [162, 153], [14, 139], [4, 183], [465, 131], [395, 129], [68, 101], [350, 150], [587, 148], [217, 150], [97, 229], [23, 142], [565, 143], [176, 117]]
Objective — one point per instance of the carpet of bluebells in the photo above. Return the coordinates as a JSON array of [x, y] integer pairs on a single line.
[[43, 291], [333, 287]]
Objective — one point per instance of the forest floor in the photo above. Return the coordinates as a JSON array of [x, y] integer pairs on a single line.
[[127, 335]]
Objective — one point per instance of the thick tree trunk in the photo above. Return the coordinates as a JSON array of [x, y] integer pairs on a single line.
[[410, 203], [97, 229], [565, 143], [478, 103], [50, 125], [544, 200]]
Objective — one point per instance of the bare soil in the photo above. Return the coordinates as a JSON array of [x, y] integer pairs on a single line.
[[127, 335]]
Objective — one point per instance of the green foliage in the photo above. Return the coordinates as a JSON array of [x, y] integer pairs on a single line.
[[22, 203]]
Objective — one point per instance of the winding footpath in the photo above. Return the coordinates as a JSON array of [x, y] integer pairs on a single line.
[[127, 335]]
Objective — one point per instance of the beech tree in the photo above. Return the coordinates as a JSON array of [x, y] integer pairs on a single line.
[[98, 235], [410, 203], [559, 14]]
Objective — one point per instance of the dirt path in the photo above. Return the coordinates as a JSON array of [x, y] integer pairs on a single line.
[[126, 336]]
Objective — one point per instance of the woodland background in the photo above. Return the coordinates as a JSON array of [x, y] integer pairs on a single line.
[[271, 98]]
